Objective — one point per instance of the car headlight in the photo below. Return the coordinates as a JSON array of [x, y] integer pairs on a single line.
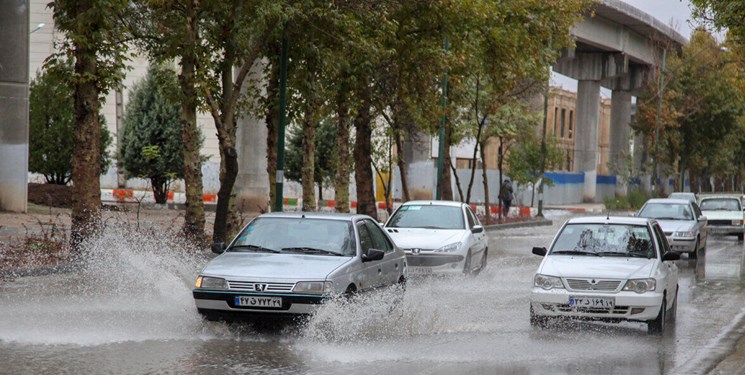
[[314, 287], [685, 234], [547, 282], [449, 247], [640, 285], [736, 222], [206, 282]]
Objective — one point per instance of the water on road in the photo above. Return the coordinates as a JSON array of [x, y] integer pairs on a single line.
[[130, 311]]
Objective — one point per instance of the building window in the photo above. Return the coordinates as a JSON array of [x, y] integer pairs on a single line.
[[563, 116], [571, 123], [556, 115]]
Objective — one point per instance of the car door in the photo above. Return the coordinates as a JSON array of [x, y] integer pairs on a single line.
[[391, 265], [701, 224], [668, 269], [371, 271], [479, 243]]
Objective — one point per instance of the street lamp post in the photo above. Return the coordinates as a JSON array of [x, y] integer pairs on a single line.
[[441, 133], [543, 144]]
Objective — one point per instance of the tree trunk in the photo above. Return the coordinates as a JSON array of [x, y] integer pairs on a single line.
[[457, 180], [86, 168], [486, 185], [402, 169], [272, 120], [194, 214], [363, 156], [229, 171], [341, 180], [160, 189], [446, 185], [309, 158], [500, 161], [473, 166]]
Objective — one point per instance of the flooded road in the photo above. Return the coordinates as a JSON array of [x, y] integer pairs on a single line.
[[130, 311]]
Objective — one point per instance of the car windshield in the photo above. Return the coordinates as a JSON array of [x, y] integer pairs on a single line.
[[667, 211], [686, 196], [720, 204], [428, 216], [297, 235], [624, 240]]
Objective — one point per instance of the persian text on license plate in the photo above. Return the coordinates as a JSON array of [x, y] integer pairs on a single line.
[[255, 301], [592, 302], [420, 271]]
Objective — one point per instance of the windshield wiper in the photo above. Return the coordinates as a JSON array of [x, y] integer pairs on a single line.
[[253, 248], [614, 253], [574, 252], [310, 250], [669, 218]]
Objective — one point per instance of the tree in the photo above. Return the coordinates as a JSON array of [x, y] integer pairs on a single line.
[[525, 158], [51, 127], [151, 145], [324, 168], [94, 40]]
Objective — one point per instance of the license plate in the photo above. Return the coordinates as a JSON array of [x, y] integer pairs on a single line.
[[592, 302], [420, 271], [254, 301]]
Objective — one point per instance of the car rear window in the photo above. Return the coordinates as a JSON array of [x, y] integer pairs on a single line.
[[720, 204], [428, 216]]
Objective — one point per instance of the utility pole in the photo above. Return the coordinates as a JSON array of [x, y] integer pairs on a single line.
[[279, 199], [441, 133], [543, 144], [657, 127]]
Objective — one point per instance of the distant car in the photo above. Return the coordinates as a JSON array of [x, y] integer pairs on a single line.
[[608, 269], [683, 223], [285, 264], [439, 237], [724, 214], [691, 197]]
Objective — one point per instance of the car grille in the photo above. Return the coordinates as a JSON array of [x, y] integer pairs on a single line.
[[618, 310], [251, 286], [600, 285], [668, 234]]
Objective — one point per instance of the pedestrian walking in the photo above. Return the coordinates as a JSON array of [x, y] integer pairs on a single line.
[[506, 195]]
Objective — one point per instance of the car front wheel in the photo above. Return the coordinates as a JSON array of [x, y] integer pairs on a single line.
[[467, 264], [537, 320], [657, 325]]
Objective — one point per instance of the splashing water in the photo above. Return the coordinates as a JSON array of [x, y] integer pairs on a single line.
[[132, 286]]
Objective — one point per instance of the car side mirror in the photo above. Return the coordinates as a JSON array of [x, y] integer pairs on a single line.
[[373, 254], [477, 229], [670, 256], [218, 247], [540, 251]]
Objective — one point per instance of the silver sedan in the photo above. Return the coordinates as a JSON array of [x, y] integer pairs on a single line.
[[682, 221]]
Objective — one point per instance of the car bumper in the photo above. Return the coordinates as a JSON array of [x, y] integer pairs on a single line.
[[682, 245], [442, 263], [224, 302], [627, 305], [726, 229]]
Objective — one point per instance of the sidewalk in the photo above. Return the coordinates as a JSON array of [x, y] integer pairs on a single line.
[[594, 208]]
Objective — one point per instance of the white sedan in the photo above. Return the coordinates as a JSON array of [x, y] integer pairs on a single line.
[[439, 237], [608, 269]]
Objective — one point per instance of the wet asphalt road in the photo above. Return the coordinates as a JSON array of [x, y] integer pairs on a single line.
[[131, 312]]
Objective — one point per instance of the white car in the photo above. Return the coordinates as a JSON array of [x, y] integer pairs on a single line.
[[287, 264], [682, 221], [609, 269], [439, 237], [724, 214]]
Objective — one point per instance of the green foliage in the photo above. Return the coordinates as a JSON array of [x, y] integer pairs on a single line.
[[51, 126], [151, 145], [324, 156], [525, 158], [634, 200]]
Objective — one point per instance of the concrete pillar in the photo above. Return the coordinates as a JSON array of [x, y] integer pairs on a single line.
[[586, 143], [252, 183], [620, 116], [14, 60]]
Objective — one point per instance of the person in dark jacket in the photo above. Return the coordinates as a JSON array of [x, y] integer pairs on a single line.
[[506, 195]]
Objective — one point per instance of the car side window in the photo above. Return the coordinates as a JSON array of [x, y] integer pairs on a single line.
[[470, 218], [696, 210], [661, 240], [379, 240], [366, 242]]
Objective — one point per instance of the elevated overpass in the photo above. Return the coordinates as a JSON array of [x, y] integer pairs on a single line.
[[615, 49]]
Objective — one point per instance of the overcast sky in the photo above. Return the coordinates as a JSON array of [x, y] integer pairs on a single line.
[[675, 13]]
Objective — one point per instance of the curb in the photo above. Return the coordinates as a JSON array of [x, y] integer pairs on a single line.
[[519, 224]]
